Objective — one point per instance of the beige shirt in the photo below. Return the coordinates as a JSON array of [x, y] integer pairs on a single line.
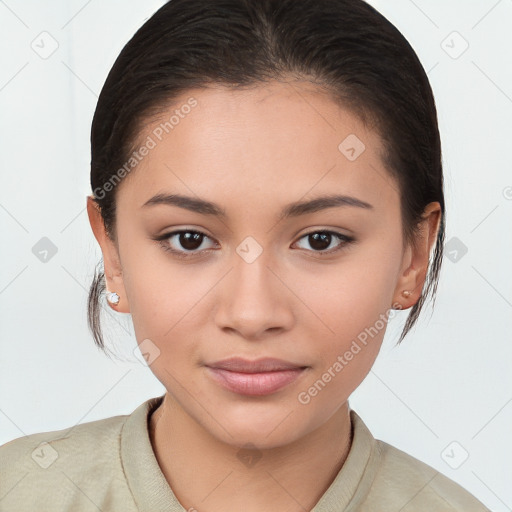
[[109, 465]]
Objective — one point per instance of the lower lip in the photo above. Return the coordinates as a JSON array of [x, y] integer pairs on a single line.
[[255, 384]]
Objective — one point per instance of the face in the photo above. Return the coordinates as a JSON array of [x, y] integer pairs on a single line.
[[240, 278]]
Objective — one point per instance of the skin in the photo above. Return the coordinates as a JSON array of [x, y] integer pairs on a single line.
[[252, 152]]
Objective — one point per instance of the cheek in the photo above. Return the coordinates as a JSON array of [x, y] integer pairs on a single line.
[[159, 290], [354, 295], [353, 303], [343, 357], [169, 305]]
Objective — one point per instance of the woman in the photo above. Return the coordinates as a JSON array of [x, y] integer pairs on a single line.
[[267, 192]]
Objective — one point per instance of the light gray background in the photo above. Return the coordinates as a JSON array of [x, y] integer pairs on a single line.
[[445, 394]]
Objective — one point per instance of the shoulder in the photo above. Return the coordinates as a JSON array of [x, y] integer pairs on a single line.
[[85, 442], [401, 479], [52, 469]]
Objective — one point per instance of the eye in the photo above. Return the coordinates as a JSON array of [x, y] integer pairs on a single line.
[[321, 240], [183, 243], [187, 243]]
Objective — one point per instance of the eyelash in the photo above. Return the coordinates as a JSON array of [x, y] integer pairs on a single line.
[[163, 240]]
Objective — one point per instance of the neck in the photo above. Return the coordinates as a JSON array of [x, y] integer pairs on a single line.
[[207, 474]]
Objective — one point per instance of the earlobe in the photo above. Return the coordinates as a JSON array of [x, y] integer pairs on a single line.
[[114, 284], [413, 275]]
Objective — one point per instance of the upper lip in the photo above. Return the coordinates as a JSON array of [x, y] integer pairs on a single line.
[[267, 364]]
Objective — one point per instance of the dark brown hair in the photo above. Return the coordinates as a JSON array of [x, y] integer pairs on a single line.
[[344, 46]]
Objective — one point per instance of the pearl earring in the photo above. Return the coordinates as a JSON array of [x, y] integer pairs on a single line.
[[406, 294], [113, 298]]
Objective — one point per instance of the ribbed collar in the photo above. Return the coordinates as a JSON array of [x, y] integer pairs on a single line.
[[152, 492]]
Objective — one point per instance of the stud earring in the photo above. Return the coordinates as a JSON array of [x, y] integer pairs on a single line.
[[113, 298], [406, 294]]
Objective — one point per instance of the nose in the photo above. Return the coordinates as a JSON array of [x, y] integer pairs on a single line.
[[255, 301]]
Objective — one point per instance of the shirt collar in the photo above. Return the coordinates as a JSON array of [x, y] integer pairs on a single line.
[[152, 492]]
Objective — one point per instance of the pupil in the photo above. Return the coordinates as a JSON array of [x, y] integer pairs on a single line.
[[320, 240], [189, 240]]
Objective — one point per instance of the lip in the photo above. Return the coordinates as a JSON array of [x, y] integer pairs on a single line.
[[254, 378]]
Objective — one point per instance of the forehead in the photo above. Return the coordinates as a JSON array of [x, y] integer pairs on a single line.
[[281, 138]]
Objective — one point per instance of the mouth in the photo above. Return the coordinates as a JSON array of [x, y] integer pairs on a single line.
[[254, 378]]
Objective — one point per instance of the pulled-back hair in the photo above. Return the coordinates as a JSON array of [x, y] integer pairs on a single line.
[[344, 46]]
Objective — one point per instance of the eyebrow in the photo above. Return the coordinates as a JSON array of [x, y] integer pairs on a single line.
[[295, 209]]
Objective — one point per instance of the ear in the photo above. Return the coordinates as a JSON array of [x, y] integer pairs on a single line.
[[112, 266], [416, 258]]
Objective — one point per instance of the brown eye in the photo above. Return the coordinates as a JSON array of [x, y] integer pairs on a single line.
[[188, 243], [320, 241], [184, 243], [190, 240]]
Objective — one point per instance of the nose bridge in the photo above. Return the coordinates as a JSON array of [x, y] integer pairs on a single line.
[[254, 299], [252, 281]]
